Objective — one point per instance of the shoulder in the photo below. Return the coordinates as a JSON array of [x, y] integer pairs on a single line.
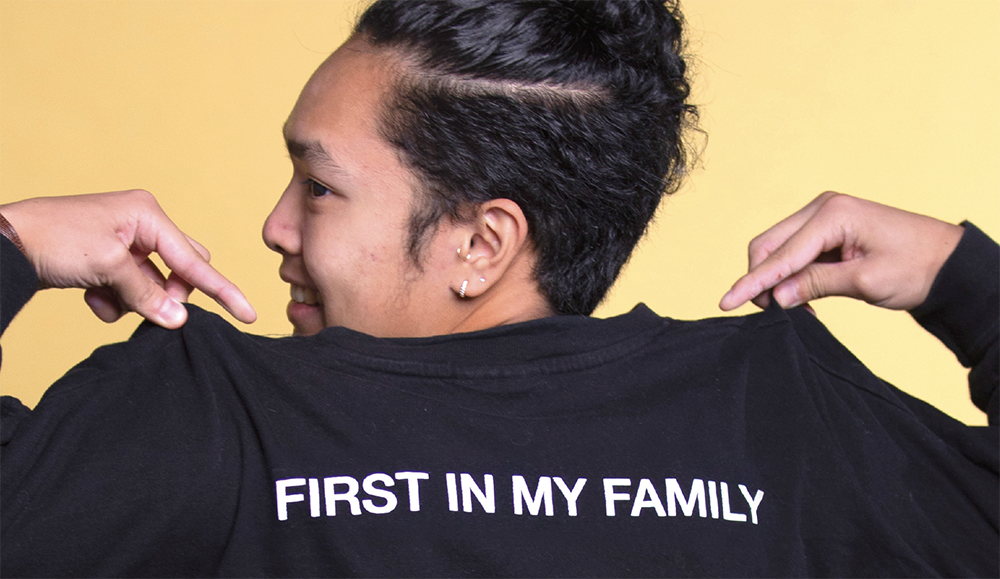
[[187, 382], [149, 421], [164, 381], [787, 358], [155, 351]]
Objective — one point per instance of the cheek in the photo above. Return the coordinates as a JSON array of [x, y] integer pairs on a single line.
[[355, 252], [352, 265]]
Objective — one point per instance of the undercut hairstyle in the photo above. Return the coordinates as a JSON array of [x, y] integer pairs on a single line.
[[576, 110]]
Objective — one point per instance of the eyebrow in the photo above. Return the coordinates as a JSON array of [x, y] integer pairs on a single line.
[[314, 153]]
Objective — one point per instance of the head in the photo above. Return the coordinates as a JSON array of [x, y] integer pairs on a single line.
[[535, 137]]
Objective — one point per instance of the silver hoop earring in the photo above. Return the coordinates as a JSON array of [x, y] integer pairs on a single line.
[[461, 290]]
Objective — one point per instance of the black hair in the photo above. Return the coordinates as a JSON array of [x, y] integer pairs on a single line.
[[574, 109]]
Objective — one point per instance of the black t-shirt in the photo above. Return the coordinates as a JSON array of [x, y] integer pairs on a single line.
[[637, 445]]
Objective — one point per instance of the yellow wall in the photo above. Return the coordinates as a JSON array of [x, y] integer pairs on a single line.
[[893, 101]]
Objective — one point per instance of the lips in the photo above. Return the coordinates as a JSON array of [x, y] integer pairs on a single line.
[[304, 295]]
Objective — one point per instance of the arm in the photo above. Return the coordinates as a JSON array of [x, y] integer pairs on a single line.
[[101, 243], [963, 311], [86, 464]]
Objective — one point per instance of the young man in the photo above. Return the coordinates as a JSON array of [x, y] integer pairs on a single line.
[[463, 174]]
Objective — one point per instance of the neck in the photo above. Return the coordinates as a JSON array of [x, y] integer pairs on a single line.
[[500, 309], [514, 298]]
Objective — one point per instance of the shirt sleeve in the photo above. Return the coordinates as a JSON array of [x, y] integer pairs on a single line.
[[963, 311], [18, 283]]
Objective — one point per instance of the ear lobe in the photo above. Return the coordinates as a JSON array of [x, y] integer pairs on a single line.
[[499, 233]]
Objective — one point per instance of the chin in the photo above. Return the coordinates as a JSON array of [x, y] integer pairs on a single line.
[[306, 320]]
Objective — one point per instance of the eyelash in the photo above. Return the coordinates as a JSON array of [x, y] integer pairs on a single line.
[[312, 186]]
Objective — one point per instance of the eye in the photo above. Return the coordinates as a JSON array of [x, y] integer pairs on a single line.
[[316, 189]]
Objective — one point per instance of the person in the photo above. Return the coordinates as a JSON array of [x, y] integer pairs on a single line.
[[446, 406]]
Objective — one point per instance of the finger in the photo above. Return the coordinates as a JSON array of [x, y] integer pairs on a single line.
[[816, 281], [189, 263], [174, 285], [142, 295], [150, 270], [764, 244], [201, 249], [104, 303], [202, 276], [815, 237], [177, 288], [762, 300], [750, 287]]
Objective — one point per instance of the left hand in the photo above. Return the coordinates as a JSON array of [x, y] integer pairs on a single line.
[[839, 245]]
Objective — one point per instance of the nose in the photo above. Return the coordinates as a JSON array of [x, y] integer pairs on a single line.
[[282, 232]]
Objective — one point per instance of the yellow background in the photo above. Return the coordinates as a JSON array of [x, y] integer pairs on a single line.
[[893, 101]]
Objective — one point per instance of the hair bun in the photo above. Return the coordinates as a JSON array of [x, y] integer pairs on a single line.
[[643, 35]]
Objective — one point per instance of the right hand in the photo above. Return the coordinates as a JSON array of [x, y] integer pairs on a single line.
[[839, 245], [101, 243]]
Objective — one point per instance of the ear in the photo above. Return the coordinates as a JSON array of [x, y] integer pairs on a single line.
[[491, 242]]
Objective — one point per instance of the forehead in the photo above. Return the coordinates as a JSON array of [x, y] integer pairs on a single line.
[[338, 108]]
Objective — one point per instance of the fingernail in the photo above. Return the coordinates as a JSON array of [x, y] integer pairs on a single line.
[[172, 312], [786, 297]]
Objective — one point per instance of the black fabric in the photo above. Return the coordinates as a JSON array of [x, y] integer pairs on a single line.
[[18, 283], [753, 446], [963, 311]]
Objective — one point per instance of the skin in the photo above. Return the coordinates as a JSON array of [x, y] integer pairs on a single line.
[[344, 242], [836, 245], [341, 225], [101, 242], [839, 245]]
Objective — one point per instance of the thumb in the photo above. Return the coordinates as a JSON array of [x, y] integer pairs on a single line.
[[104, 303], [145, 297], [817, 280]]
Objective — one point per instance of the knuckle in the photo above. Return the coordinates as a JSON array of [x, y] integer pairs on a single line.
[[867, 283], [149, 296], [760, 248], [840, 201], [139, 193], [811, 286], [143, 198], [116, 257]]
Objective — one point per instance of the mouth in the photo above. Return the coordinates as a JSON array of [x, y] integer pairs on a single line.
[[304, 295]]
